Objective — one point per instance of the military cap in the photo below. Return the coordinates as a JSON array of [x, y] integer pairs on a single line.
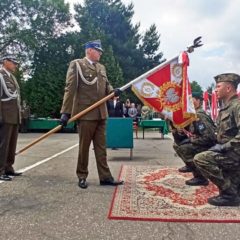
[[96, 44], [228, 77], [10, 58], [197, 95]]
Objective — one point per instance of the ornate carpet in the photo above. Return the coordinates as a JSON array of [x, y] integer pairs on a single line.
[[152, 193]]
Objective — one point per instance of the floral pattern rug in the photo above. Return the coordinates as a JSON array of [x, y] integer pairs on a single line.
[[152, 193]]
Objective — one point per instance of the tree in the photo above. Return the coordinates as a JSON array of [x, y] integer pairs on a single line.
[[150, 46], [112, 21], [45, 88], [114, 72], [29, 28], [29, 24], [196, 87]]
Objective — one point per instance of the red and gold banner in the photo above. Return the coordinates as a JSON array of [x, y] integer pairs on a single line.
[[167, 90]]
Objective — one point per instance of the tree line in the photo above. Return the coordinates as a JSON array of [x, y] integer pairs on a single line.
[[45, 35]]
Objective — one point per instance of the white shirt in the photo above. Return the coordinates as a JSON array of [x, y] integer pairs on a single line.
[[114, 103], [90, 61]]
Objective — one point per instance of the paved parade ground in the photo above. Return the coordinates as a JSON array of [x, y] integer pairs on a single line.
[[46, 202]]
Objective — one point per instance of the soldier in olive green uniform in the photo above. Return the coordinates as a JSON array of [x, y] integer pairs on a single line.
[[201, 136], [87, 83], [221, 164], [9, 117]]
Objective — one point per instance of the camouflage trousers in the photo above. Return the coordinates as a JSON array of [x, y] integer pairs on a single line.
[[223, 169], [187, 152]]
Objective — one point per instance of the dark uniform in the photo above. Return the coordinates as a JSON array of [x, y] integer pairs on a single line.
[[87, 83], [115, 108], [221, 164], [203, 137], [9, 120]]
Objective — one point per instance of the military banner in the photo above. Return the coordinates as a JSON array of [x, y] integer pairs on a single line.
[[214, 106], [167, 90], [205, 101]]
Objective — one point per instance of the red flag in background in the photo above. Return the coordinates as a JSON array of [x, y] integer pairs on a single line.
[[167, 90], [205, 100], [214, 110]]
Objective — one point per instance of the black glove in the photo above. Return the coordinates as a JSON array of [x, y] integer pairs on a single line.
[[220, 148], [117, 92], [185, 141], [64, 119]]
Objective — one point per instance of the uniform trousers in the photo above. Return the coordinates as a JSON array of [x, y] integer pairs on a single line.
[[92, 130], [8, 144], [187, 152], [223, 169]]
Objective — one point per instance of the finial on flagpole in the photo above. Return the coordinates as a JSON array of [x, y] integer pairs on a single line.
[[196, 43]]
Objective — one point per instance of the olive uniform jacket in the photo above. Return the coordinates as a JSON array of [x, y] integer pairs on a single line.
[[86, 84], [9, 109]]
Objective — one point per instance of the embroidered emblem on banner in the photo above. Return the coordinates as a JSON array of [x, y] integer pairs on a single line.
[[170, 96], [148, 90]]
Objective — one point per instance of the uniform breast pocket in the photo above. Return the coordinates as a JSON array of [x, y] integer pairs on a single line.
[[103, 75], [87, 74], [226, 122]]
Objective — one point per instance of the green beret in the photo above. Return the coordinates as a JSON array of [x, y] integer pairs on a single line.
[[228, 77], [197, 95]]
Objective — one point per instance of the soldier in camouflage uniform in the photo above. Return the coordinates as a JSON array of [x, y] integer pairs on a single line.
[[221, 163], [180, 137], [201, 136]]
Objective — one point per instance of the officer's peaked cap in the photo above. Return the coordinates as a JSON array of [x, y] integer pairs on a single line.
[[96, 44], [10, 58]]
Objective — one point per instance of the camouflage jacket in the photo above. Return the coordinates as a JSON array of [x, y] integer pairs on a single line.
[[228, 124], [203, 130]]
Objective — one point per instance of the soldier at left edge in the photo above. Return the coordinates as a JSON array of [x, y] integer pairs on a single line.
[[10, 116]]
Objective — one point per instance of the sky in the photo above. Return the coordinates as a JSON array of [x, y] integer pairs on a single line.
[[180, 21]]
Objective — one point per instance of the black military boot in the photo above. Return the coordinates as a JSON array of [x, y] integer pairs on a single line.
[[225, 200], [185, 169], [197, 181]]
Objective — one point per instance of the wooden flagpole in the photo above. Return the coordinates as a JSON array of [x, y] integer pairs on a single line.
[[56, 129]]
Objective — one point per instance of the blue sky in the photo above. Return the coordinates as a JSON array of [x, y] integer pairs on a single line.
[[180, 21]]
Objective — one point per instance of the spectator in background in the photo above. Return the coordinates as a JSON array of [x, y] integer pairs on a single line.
[[115, 107], [145, 112], [25, 114], [126, 107], [132, 112]]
